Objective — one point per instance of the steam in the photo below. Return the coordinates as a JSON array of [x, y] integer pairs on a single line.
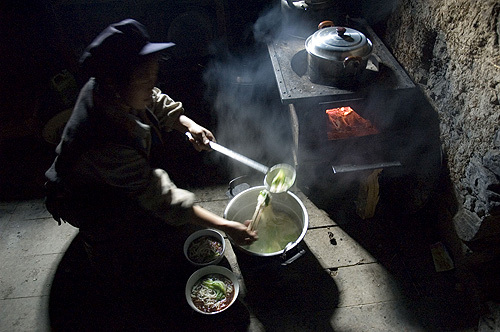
[[251, 119], [269, 25], [242, 89]]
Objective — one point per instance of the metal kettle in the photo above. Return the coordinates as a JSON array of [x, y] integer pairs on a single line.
[[304, 15], [305, 5]]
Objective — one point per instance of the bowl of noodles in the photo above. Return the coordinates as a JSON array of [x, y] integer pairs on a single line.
[[212, 289], [204, 247]]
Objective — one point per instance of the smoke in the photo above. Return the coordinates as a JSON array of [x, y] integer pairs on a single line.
[[269, 25], [242, 89], [377, 11], [251, 119]]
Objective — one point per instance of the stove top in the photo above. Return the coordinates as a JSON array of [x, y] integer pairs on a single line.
[[289, 60]]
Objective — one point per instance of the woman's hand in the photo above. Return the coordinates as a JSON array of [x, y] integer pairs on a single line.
[[240, 233], [200, 137]]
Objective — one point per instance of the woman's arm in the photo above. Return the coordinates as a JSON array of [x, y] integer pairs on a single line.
[[201, 137], [170, 115], [237, 231]]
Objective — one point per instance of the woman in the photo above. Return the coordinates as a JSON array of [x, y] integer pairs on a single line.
[[104, 180]]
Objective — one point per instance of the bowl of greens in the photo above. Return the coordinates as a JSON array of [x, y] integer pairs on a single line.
[[212, 289]]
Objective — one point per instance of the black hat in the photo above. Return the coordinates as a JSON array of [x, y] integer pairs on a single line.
[[117, 47]]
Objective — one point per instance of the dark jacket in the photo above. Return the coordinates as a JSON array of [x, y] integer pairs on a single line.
[[103, 175]]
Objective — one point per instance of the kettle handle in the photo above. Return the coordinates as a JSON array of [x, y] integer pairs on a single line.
[[352, 61], [352, 64], [325, 24]]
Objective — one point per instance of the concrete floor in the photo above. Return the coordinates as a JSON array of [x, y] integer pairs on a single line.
[[354, 276]]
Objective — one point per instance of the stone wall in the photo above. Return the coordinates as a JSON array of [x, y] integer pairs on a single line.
[[451, 48]]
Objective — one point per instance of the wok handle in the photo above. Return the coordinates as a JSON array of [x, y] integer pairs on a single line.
[[233, 186], [293, 258]]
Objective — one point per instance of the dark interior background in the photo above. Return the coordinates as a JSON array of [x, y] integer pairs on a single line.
[[42, 41]]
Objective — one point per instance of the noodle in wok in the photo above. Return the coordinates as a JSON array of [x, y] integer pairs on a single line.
[[212, 293], [276, 229]]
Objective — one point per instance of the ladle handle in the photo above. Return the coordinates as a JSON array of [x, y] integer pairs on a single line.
[[236, 156], [241, 158]]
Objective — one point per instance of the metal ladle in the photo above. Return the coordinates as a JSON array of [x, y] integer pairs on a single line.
[[270, 172]]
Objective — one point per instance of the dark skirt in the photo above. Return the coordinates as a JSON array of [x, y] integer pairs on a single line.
[[139, 259]]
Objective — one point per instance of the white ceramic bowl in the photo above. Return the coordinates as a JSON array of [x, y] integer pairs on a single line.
[[198, 234], [198, 274]]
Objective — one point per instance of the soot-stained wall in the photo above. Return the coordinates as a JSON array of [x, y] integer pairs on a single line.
[[451, 49]]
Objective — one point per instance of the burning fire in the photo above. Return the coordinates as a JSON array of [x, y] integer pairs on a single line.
[[346, 110], [344, 122]]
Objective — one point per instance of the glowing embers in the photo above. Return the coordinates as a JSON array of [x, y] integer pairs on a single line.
[[344, 122]]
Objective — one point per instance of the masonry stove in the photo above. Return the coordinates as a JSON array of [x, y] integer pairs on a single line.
[[378, 97]]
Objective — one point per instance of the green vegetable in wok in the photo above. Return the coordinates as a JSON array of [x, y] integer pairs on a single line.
[[263, 200], [264, 197]]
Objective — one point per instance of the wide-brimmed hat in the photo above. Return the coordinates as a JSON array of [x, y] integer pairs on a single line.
[[118, 47]]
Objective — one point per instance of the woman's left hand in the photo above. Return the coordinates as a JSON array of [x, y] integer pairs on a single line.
[[240, 233]]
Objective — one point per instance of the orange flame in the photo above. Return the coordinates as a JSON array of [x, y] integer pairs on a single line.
[[344, 122]]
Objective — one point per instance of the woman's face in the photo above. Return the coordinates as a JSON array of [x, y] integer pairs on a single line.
[[138, 93]]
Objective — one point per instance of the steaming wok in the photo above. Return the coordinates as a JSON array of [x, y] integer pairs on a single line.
[[278, 178]]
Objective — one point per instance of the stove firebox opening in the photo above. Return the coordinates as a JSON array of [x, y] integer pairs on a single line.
[[344, 122]]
